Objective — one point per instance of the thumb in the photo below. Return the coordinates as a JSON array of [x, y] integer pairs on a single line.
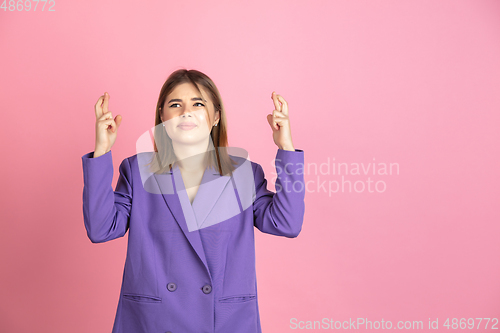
[[270, 121], [118, 121]]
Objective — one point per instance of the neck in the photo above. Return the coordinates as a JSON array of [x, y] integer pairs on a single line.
[[191, 158]]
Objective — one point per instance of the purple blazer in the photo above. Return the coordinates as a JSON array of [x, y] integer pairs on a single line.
[[190, 269]]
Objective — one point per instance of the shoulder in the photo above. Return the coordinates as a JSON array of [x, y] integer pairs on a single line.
[[134, 160], [138, 164], [241, 160]]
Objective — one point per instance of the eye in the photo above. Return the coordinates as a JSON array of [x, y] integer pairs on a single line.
[[201, 104]]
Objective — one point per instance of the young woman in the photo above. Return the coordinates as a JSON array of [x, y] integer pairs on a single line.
[[190, 212]]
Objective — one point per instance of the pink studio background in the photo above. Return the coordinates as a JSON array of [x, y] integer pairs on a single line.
[[415, 83]]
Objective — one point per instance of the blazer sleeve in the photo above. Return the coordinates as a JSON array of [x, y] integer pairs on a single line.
[[106, 213], [281, 213]]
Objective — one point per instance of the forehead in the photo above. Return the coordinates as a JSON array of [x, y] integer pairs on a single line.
[[186, 89]]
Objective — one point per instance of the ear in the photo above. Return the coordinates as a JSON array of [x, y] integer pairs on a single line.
[[217, 116]]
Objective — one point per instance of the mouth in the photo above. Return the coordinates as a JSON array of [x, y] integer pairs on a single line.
[[186, 126]]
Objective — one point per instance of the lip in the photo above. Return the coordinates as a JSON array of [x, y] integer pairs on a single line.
[[186, 125]]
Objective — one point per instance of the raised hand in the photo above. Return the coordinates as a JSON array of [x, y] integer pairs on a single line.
[[280, 123], [106, 127]]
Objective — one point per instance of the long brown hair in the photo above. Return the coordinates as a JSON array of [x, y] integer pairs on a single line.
[[164, 155]]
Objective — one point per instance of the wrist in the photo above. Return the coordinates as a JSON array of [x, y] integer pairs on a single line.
[[99, 152], [290, 148]]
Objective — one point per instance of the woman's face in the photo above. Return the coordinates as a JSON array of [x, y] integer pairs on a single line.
[[185, 114]]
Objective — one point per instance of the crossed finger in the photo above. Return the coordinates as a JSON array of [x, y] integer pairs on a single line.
[[283, 107], [98, 107], [277, 104], [105, 103], [101, 107]]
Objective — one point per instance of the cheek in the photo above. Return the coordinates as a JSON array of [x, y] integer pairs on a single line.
[[203, 118], [170, 125], [201, 114], [169, 131], [170, 115]]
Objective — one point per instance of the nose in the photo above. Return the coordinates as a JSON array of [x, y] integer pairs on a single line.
[[186, 112]]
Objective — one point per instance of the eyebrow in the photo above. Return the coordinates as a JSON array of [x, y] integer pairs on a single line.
[[180, 100]]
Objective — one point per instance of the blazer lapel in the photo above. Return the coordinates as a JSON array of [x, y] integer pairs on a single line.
[[215, 201], [211, 187]]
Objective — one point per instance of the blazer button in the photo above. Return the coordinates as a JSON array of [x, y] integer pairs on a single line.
[[171, 286], [207, 289]]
